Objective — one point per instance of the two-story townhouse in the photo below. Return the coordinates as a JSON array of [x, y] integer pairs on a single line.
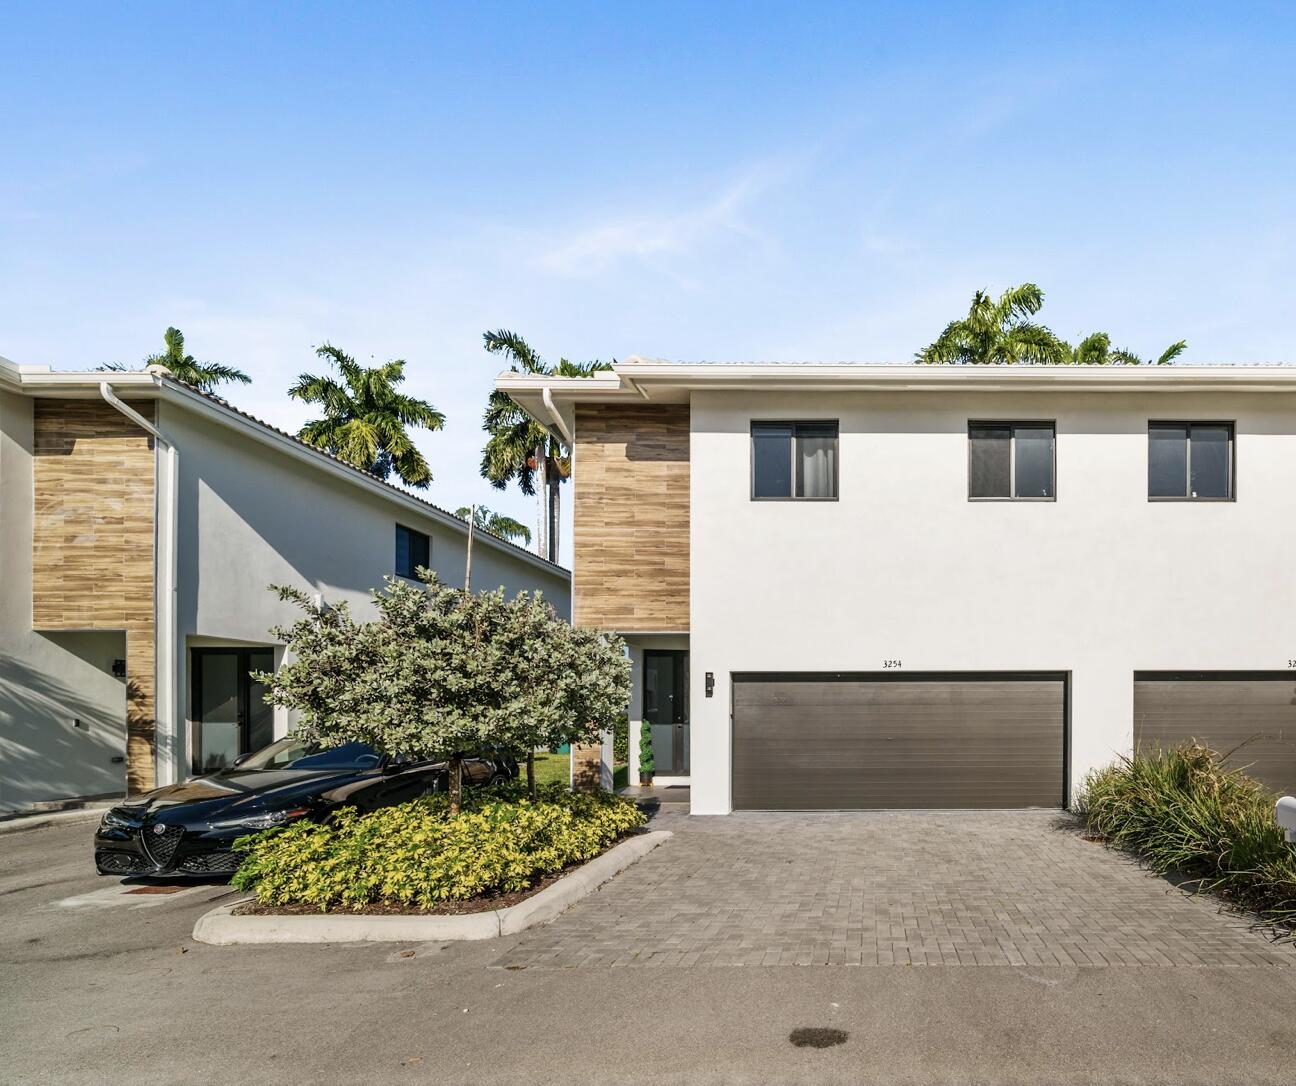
[[141, 523], [859, 586]]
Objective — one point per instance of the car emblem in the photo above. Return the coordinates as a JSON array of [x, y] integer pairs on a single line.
[[159, 828]]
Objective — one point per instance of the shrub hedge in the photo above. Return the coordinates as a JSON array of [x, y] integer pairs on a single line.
[[1181, 810], [416, 855]]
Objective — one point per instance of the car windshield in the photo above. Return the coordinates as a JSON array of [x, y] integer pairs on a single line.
[[294, 754]]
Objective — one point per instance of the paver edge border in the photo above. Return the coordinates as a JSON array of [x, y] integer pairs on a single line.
[[220, 927]]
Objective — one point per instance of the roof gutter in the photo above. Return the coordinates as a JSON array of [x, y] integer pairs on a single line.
[[166, 577]]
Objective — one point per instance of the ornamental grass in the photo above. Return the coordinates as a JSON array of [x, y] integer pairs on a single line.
[[1181, 810]]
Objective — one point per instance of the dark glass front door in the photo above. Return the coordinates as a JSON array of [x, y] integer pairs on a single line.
[[230, 713], [665, 705]]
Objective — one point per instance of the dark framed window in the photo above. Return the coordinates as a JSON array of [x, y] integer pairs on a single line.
[[794, 461], [413, 549], [1012, 461], [1190, 461]]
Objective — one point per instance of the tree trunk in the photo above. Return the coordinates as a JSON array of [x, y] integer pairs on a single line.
[[531, 781], [542, 493], [472, 527], [555, 513], [456, 783]]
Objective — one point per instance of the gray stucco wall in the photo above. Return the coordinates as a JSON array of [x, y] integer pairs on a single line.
[[48, 681], [252, 516]]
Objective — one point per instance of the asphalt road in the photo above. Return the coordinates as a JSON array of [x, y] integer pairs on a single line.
[[97, 986]]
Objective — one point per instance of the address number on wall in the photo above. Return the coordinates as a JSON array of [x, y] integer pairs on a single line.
[[888, 665]]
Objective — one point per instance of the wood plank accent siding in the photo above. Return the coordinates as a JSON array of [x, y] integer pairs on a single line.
[[92, 545], [631, 568]]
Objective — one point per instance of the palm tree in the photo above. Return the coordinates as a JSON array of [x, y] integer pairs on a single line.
[[487, 520], [204, 376], [519, 447], [365, 419], [998, 331], [1096, 350]]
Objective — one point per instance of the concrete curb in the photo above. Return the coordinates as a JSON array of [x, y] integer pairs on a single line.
[[221, 928], [53, 818]]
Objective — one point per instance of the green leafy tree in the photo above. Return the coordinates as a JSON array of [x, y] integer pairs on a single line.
[[441, 672], [487, 520], [1096, 350], [204, 376], [366, 419], [519, 448]]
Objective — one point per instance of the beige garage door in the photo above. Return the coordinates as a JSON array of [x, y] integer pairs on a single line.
[[859, 741], [1249, 715]]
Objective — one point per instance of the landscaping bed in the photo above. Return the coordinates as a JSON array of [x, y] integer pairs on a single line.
[[416, 859], [1181, 811]]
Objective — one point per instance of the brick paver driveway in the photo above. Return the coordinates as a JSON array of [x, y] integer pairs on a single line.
[[890, 888]]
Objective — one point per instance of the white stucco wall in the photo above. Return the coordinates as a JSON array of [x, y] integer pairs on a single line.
[[62, 712], [251, 516], [1099, 583]]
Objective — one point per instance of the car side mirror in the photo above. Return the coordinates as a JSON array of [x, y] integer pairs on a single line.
[[240, 760], [391, 767]]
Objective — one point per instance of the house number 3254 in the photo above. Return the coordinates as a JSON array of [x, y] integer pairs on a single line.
[[887, 665]]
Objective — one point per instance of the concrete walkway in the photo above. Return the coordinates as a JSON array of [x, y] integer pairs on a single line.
[[1017, 888]]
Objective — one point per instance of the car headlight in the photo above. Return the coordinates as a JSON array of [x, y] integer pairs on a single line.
[[263, 821], [114, 822]]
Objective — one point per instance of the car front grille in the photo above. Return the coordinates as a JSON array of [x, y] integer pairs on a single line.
[[161, 846], [212, 863]]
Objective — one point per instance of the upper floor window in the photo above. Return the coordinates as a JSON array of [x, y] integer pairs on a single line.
[[794, 460], [1011, 460], [413, 549], [1190, 461]]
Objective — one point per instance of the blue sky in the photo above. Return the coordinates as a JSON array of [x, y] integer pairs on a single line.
[[688, 181]]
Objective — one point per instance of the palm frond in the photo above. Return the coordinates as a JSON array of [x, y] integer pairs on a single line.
[[1172, 352], [1019, 302], [514, 347], [1122, 357], [580, 369], [1094, 350]]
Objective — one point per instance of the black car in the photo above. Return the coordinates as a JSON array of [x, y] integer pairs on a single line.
[[189, 828]]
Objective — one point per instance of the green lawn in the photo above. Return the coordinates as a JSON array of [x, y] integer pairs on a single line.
[[550, 768], [557, 767]]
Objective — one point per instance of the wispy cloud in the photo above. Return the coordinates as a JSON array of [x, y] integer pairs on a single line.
[[594, 248]]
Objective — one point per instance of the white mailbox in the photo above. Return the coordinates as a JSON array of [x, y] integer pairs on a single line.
[[1285, 813]]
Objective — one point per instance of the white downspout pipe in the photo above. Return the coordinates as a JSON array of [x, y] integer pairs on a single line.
[[547, 395], [167, 727]]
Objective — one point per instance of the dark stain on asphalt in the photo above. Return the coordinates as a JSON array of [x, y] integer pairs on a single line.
[[817, 1037]]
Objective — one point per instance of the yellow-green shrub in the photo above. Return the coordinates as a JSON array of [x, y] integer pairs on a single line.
[[416, 854]]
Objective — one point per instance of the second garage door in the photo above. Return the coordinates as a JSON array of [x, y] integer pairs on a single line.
[[857, 741], [1248, 715]]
